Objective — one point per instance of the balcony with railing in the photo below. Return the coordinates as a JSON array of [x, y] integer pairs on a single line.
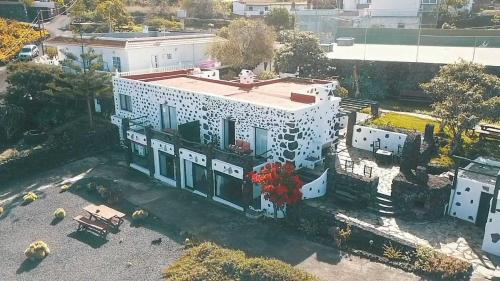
[[187, 136]]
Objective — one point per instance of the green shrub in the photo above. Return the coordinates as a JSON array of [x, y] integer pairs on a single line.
[[342, 235], [266, 75], [211, 262], [60, 213], [103, 191], [140, 215], [440, 265], [37, 250], [366, 110], [30, 197], [65, 188], [394, 253], [52, 52]]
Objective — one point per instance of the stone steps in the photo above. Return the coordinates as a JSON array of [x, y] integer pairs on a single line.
[[383, 205], [344, 196], [253, 214]]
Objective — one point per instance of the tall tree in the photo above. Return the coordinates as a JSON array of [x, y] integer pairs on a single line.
[[247, 44], [83, 80], [449, 10], [11, 120], [111, 12], [206, 9], [464, 94], [279, 18], [303, 53], [28, 85]]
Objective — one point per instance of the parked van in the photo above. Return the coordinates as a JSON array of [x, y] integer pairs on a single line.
[[28, 52]]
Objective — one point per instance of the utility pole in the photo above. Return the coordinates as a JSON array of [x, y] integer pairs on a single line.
[[39, 17], [109, 19], [419, 34], [83, 52]]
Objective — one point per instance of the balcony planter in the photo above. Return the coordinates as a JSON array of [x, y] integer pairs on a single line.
[[34, 137]]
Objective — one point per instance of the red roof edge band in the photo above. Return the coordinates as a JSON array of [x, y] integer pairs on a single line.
[[302, 98]]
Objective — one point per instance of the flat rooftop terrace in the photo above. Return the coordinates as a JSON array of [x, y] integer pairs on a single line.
[[486, 173], [276, 93], [413, 53]]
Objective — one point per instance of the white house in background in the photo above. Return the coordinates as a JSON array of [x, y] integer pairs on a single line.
[[247, 123], [476, 199], [408, 14], [251, 8], [134, 51], [44, 4]]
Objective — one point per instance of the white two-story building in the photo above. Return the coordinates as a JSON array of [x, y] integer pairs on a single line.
[[255, 8], [139, 51], [201, 134]]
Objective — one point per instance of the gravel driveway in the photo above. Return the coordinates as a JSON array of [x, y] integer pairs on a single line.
[[127, 255]]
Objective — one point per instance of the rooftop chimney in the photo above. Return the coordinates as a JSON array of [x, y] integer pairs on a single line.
[[246, 76]]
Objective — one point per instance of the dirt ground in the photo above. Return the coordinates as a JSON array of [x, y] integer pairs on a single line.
[[181, 214]]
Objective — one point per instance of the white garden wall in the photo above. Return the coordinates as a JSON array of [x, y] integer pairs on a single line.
[[363, 138], [465, 201], [316, 188], [491, 241]]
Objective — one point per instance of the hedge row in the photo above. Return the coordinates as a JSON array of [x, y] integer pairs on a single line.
[[68, 142]]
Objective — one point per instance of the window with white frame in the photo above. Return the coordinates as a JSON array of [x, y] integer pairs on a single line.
[[125, 102], [117, 64], [168, 117], [260, 142], [429, 1], [167, 165], [139, 154]]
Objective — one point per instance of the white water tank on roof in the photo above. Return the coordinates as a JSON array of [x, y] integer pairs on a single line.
[[246, 76]]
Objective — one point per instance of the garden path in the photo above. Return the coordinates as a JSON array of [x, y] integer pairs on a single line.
[[362, 158]]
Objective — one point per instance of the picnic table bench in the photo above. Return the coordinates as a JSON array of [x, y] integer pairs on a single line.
[[95, 226], [105, 214], [489, 131]]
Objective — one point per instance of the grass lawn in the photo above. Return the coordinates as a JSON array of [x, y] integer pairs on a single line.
[[404, 121]]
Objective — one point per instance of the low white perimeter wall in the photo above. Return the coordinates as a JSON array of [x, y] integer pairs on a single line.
[[466, 197], [363, 138], [316, 188], [491, 244], [268, 208]]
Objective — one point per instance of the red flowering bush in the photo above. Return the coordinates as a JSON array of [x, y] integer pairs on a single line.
[[280, 184]]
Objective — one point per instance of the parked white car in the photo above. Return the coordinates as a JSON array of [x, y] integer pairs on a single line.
[[28, 52]]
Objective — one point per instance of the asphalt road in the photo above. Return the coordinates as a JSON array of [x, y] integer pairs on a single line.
[[55, 26]]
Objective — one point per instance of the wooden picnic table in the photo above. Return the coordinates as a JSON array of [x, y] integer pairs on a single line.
[[489, 131], [105, 214]]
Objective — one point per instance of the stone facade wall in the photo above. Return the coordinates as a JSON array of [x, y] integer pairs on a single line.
[[420, 201], [292, 135]]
